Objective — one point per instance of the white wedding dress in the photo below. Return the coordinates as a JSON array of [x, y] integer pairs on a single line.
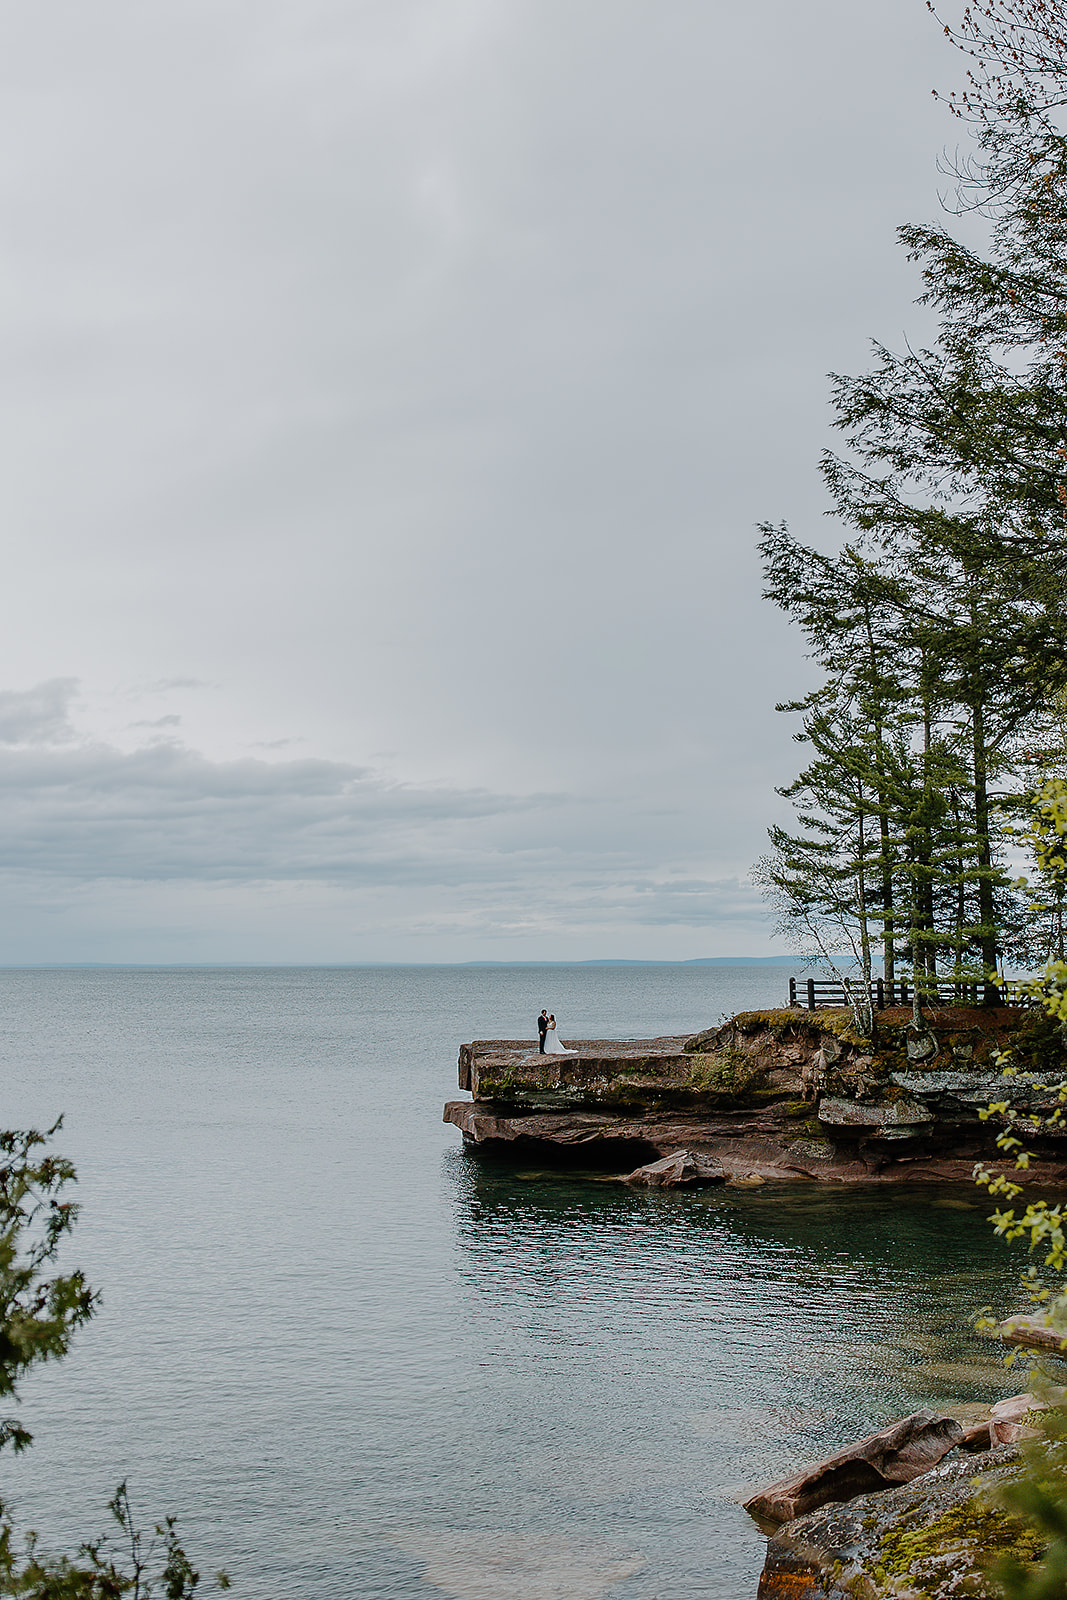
[[553, 1047]]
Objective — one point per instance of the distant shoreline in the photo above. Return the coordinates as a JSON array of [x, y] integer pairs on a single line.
[[354, 966]]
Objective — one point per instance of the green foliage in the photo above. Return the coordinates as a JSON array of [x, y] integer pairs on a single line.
[[40, 1311], [1039, 1495], [39, 1314], [941, 628], [941, 625], [1037, 1498], [106, 1569]]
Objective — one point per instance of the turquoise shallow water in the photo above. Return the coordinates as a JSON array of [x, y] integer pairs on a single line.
[[358, 1361]]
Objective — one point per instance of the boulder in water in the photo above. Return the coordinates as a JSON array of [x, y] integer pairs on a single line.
[[1008, 1420], [899, 1453], [679, 1170]]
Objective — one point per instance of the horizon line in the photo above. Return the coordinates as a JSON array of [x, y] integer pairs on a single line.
[[342, 966]]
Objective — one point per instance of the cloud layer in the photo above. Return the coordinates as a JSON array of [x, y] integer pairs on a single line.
[[85, 823]]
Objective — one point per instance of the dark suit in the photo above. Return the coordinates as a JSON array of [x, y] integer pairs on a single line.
[[542, 1029]]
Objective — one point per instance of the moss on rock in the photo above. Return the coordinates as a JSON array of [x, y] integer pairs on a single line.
[[971, 1536], [726, 1074], [934, 1539]]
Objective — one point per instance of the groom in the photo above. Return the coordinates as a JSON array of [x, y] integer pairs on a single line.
[[542, 1029]]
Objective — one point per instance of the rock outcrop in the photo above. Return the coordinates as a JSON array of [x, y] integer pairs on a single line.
[[932, 1537], [1010, 1420], [896, 1455], [1034, 1333], [849, 1537], [774, 1094]]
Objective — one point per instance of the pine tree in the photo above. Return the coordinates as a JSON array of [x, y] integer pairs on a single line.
[[946, 608]]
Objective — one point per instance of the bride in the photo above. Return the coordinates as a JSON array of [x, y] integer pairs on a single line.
[[553, 1047]]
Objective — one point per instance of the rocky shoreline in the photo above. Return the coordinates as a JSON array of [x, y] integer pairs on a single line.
[[930, 1539], [792, 1095], [770, 1095], [909, 1513]]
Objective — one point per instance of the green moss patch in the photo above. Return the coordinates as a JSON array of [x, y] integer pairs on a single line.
[[971, 1535]]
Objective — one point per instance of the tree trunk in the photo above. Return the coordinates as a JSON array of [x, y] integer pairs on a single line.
[[961, 897], [987, 928], [885, 852], [864, 1013]]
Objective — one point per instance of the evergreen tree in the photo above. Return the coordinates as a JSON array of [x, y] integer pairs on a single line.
[[839, 606], [824, 879], [945, 612]]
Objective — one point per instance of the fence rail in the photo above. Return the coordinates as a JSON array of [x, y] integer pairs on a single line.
[[811, 993]]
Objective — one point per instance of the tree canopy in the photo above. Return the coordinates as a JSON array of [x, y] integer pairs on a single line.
[[940, 621]]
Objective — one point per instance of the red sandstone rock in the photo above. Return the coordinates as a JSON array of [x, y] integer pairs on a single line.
[[744, 1142], [977, 1437], [1007, 1419], [680, 1170], [896, 1455], [841, 1549]]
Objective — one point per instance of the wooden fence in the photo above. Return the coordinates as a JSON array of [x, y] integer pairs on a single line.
[[814, 992]]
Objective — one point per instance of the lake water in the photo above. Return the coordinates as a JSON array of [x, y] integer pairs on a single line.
[[357, 1361]]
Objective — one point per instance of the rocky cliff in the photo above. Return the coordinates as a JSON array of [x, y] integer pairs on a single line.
[[775, 1094]]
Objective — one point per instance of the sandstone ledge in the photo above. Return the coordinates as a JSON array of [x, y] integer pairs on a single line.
[[780, 1094], [583, 1138], [907, 1449]]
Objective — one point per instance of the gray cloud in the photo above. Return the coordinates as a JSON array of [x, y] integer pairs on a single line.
[[79, 816], [40, 715], [163, 685], [90, 811]]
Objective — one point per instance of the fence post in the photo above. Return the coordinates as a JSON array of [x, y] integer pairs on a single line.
[[792, 991], [879, 989], [811, 994]]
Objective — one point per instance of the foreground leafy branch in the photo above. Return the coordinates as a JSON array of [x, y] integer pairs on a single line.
[[41, 1309]]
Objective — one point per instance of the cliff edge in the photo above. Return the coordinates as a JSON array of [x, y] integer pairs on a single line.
[[775, 1094]]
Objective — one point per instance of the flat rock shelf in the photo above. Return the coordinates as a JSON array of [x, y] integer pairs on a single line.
[[780, 1094]]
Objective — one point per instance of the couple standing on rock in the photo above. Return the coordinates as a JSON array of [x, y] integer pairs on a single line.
[[548, 1042]]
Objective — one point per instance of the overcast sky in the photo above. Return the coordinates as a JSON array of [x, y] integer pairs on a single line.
[[389, 392]]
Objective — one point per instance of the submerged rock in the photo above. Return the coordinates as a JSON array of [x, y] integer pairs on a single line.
[[680, 1170], [897, 1454]]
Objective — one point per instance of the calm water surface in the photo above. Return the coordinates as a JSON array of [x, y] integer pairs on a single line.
[[359, 1362]]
